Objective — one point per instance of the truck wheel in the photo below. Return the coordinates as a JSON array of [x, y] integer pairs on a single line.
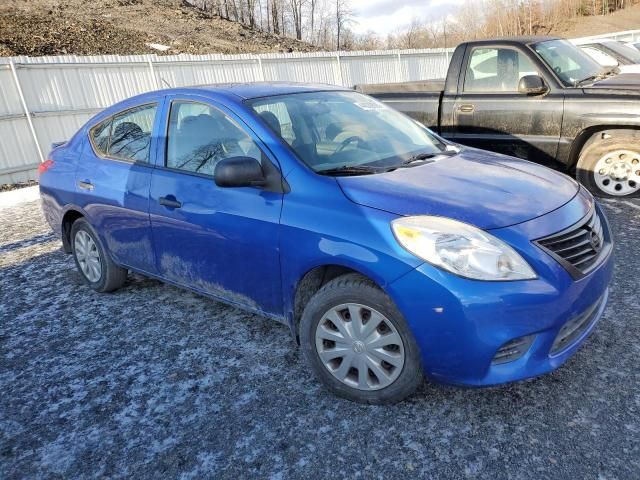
[[95, 266], [609, 164], [358, 344]]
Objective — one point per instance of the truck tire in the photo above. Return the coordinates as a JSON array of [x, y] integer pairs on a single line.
[[609, 163], [358, 344], [92, 260]]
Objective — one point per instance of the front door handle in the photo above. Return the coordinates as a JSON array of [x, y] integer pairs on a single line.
[[466, 108], [85, 185], [170, 202]]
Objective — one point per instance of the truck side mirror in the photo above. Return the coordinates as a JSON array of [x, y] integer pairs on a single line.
[[239, 172], [532, 85]]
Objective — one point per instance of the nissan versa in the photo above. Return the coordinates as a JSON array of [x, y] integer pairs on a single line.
[[391, 253]]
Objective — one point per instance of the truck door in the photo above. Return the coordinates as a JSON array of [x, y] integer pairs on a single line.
[[490, 113]]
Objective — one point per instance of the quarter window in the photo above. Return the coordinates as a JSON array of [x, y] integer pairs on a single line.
[[126, 136], [100, 136], [496, 70], [199, 136]]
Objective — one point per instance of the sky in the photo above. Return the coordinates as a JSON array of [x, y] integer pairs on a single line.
[[389, 16]]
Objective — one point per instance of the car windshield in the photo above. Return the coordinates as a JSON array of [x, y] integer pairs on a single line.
[[631, 54], [569, 62], [346, 131]]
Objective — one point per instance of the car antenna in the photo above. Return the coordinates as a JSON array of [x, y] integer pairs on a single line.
[[165, 82]]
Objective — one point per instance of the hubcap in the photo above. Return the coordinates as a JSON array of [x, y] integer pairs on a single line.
[[618, 172], [360, 346], [88, 256]]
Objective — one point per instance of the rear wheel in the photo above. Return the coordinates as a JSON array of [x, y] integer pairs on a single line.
[[358, 344], [609, 164], [95, 266]]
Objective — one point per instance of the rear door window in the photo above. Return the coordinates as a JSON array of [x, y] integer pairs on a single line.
[[126, 135], [131, 134]]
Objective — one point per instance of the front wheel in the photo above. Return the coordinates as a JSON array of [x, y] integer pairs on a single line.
[[609, 164], [358, 344]]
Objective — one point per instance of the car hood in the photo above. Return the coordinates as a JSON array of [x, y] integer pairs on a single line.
[[477, 187], [622, 84]]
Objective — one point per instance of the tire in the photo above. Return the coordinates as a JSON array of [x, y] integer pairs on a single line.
[[110, 276], [352, 292], [609, 164]]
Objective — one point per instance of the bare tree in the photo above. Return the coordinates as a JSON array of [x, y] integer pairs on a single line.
[[296, 12], [344, 16]]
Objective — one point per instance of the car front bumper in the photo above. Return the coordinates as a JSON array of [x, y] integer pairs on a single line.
[[460, 324]]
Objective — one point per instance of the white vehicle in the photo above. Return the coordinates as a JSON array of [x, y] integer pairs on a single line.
[[612, 53]]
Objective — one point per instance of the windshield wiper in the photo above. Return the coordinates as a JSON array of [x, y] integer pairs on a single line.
[[422, 156], [350, 170], [595, 78], [590, 78]]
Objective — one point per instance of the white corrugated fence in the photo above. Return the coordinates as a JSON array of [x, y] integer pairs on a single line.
[[46, 99]]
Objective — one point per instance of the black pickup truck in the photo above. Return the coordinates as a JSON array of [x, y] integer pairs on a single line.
[[538, 98]]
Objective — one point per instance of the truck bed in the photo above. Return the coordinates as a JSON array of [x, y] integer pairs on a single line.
[[422, 86], [420, 100]]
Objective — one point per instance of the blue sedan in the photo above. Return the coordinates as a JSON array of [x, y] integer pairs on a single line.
[[391, 253]]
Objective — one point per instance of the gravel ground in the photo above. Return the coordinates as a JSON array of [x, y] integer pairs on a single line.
[[155, 382]]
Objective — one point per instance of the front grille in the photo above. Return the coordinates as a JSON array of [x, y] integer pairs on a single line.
[[579, 247], [574, 328], [513, 350]]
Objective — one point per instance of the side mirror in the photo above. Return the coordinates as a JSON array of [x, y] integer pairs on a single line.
[[239, 172], [532, 85]]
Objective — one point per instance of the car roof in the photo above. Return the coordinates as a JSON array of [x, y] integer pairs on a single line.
[[519, 40], [235, 92]]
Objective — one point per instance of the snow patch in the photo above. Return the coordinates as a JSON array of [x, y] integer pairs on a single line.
[[19, 196]]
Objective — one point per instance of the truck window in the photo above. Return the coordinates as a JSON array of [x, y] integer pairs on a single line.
[[496, 70], [569, 62]]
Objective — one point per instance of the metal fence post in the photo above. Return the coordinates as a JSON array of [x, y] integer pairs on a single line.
[[261, 76], [340, 79], [26, 109], [399, 68], [153, 74]]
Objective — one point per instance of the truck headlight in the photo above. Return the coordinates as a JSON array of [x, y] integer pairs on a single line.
[[460, 248]]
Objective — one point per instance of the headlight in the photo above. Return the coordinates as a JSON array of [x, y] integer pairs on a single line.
[[460, 248]]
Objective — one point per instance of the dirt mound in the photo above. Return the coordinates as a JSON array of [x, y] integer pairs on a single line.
[[627, 19], [125, 27]]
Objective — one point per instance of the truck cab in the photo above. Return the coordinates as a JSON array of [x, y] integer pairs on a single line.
[[537, 98]]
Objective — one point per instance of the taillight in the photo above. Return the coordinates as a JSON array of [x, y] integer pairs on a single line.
[[44, 166]]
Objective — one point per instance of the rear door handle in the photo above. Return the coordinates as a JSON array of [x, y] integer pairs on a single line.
[[85, 185], [466, 108], [170, 202]]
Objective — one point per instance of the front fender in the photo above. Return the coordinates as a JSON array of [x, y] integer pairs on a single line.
[[321, 227], [586, 114]]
